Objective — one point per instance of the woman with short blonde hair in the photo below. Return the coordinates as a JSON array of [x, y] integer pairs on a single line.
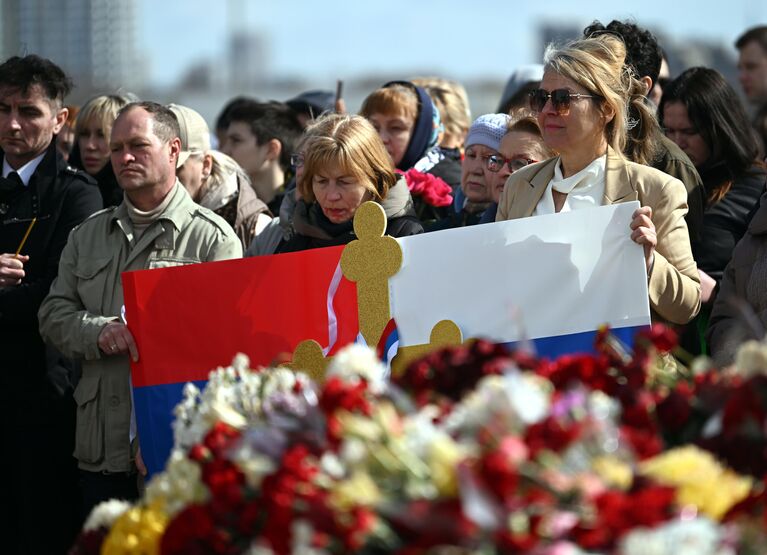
[[91, 150], [344, 165], [352, 144]]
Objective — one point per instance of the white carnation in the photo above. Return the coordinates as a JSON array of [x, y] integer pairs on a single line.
[[105, 514], [698, 536], [359, 361]]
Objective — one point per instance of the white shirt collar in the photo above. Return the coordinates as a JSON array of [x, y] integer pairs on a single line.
[[25, 172]]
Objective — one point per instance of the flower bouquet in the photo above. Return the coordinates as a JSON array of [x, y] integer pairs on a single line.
[[471, 450]]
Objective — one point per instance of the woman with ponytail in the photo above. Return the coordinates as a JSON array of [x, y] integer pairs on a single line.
[[588, 101]]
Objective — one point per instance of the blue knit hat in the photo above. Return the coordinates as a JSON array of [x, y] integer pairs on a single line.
[[488, 130]]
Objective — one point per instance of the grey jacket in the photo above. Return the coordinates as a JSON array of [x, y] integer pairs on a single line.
[[88, 294], [740, 308]]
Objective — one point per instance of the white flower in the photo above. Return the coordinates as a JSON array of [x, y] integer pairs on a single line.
[[514, 399], [698, 536], [419, 430], [332, 465], [179, 485], [352, 451], [527, 396], [105, 514], [254, 465], [359, 361], [752, 358]]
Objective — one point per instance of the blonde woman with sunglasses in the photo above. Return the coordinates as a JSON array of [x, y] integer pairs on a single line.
[[587, 102]]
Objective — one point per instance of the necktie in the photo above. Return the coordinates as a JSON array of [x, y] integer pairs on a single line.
[[11, 183]]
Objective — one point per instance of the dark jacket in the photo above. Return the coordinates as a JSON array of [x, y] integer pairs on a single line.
[[463, 218], [449, 168], [314, 230], [60, 197], [111, 192], [740, 308], [725, 222], [673, 161]]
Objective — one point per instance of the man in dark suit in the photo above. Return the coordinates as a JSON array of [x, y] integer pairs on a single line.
[[41, 200]]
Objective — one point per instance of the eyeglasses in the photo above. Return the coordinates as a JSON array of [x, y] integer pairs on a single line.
[[560, 99], [495, 163], [297, 160]]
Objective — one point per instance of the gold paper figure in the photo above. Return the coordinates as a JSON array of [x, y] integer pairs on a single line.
[[444, 333], [370, 260], [309, 359]]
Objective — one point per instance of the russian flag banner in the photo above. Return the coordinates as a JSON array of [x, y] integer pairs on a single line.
[[552, 279], [189, 320]]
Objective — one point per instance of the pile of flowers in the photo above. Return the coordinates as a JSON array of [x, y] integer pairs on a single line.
[[472, 449]]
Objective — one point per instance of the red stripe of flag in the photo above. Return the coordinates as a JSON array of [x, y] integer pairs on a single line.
[[189, 320]]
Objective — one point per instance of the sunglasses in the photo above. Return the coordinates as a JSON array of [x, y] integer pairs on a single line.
[[495, 163], [297, 160], [560, 99]]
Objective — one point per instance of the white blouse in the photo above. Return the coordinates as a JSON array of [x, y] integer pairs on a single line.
[[584, 189]]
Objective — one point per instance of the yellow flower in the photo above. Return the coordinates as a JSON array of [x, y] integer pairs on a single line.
[[137, 532], [360, 489], [359, 426], [613, 471], [700, 480], [444, 456]]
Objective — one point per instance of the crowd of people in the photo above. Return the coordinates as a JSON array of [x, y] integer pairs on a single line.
[[122, 184]]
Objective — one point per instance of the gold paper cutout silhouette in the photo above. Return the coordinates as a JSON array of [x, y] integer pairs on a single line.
[[370, 261], [444, 333]]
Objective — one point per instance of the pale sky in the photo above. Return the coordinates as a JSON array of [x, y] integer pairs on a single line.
[[326, 39]]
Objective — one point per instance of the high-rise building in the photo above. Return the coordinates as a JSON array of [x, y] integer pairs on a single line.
[[92, 40]]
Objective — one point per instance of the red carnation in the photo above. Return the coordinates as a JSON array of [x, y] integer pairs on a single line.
[[190, 532], [225, 482], [220, 438], [659, 336], [551, 434]]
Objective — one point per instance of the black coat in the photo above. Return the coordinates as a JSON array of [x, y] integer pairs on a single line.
[[60, 197], [725, 222], [342, 234], [111, 192]]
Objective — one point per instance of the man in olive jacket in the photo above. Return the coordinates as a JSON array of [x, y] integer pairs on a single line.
[[157, 225]]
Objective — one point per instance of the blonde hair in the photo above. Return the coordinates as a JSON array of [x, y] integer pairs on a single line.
[[103, 110], [352, 144], [451, 100], [392, 100], [598, 64], [222, 167]]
